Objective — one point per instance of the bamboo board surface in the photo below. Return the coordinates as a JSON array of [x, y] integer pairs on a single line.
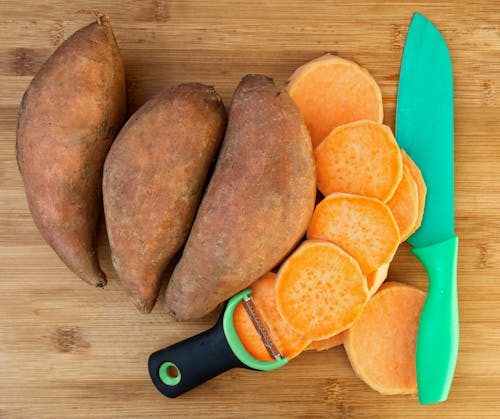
[[67, 350]]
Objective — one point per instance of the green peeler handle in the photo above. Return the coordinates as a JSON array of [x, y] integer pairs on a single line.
[[437, 342]]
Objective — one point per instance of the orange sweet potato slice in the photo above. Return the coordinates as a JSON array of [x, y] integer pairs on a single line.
[[364, 227], [323, 345], [404, 204], [381, 345], [376, 278], [320, 290], [361, 158], [416, 174], [332, 91], [289, 342]]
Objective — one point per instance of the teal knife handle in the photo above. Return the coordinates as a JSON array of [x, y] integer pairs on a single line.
[[437, 342]]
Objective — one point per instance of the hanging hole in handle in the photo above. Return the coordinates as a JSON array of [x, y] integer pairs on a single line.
[[169, 374]]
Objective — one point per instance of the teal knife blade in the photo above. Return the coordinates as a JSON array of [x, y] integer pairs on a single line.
[[424, 129]]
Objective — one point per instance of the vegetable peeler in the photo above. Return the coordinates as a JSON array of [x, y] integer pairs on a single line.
[[180, 367]]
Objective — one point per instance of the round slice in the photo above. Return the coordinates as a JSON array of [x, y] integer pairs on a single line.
[[364, 227], [381, 345], [361, 158], [289, 342], [416, 174], [331, 91], [320, 290], [404, 204], [323, 345]]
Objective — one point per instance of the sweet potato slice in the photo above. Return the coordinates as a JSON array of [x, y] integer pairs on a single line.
[[289, 342], [324, 344], [360, 158], [320, 290], [332, 91], [364, 227], [376, 278], [416, 174], [404, 204], [381, 345]]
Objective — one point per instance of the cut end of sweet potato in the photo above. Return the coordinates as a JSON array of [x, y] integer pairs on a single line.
[[332, 91], [289, 342], [364, 227], [416, 175], [323, 345], [360, 158], [320, 290], [381, 345], [404, 204]]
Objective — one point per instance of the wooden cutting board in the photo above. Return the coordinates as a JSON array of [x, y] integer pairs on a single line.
[[67, 350]]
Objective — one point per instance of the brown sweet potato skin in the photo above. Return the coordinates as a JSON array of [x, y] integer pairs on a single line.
[[154, 178], [257, 205], [69, 116]]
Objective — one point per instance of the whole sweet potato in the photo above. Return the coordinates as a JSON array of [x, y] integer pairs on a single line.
[[257, 205], [69, 116], [154, 178]]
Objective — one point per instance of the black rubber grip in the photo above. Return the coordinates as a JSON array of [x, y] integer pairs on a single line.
[[196, 359]]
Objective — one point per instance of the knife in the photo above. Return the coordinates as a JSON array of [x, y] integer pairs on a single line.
[[424, 129]]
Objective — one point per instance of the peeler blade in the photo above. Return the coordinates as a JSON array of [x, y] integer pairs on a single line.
[[262, 328]]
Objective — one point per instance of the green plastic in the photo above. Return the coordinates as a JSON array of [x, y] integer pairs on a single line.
[[166, 377], [424, 125], [437, 342], [424, 129], [235, 343]]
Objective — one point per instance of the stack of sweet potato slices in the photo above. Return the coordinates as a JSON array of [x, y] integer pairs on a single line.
[[330, 290]]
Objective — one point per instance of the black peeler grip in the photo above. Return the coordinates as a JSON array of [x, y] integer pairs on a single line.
[[187, 364]]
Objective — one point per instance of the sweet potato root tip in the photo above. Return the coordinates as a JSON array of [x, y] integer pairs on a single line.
[[101, 18], [360, 158], [331, 91], [364, 227], [320, 290], [381, 344]]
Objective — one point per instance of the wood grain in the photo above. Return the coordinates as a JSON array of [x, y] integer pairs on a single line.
[[67, 350]]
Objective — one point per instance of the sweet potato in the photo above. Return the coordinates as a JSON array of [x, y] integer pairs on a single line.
[[69, 116], [331, 91], [257, 204], [376, 278], [364, 227], [153, 181], [320, 290], [360, 158], [381, 345], [416, 174], [404, 204], [289, 342], [324, 344]]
